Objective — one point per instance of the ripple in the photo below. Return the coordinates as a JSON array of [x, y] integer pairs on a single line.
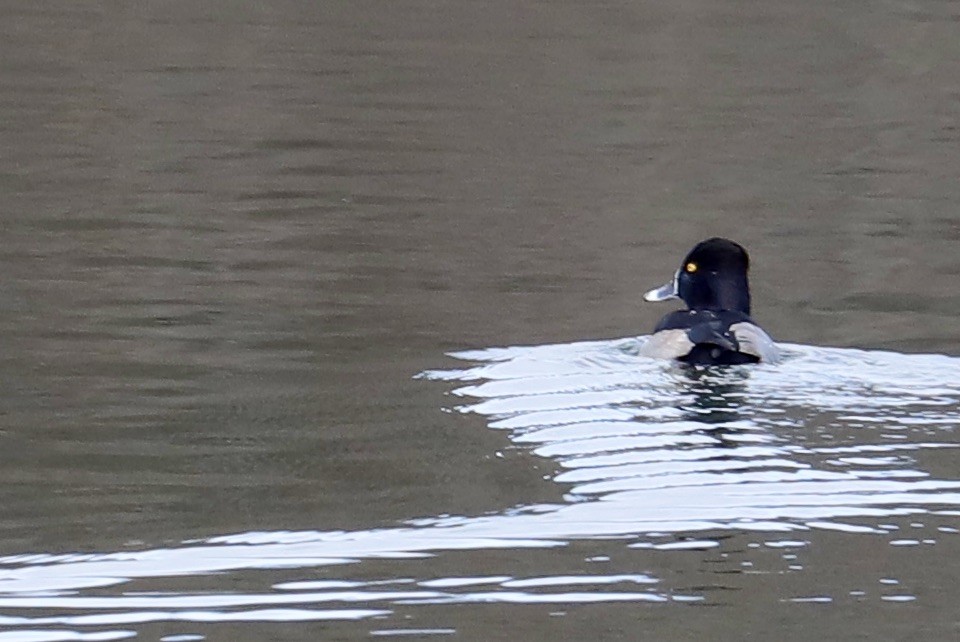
[[671, 460], [694, 446]]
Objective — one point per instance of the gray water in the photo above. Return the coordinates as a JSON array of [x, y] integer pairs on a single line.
[[239, 242]]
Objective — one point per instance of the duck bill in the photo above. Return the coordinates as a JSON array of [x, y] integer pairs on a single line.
[[665, 292]]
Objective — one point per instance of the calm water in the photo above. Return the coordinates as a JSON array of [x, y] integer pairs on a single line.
[[239, 242]]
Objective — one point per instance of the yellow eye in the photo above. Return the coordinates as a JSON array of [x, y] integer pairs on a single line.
[[691, 267]]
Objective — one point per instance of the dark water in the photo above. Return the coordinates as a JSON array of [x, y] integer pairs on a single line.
[[233, 235]]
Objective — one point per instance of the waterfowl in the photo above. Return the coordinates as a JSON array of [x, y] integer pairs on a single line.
[[716, 328]]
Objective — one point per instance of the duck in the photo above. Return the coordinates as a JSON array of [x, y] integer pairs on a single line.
[[716, 327]]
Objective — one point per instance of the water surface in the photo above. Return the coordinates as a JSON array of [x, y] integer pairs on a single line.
[[680, 485], [234, 236]]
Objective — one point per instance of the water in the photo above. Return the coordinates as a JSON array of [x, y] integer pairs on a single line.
[[749, 473], [238, 242]]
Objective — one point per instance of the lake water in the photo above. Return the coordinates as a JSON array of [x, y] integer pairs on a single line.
[[321, 321]]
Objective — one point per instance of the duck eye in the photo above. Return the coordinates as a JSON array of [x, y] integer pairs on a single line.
[[691, 267]]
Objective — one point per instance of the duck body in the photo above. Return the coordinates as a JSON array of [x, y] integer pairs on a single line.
[[716, 328]]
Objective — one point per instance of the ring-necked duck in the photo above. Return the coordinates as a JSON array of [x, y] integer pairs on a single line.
[[716, 327]]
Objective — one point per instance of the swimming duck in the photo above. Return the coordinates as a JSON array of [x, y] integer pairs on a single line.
[[716, 328]]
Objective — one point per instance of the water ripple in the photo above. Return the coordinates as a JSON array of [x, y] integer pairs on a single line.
[[664, 457]]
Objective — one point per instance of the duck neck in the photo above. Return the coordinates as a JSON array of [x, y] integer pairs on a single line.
[[721, 292], [734, 294]]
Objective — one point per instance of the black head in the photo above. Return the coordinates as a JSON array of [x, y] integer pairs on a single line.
[[713, 276]]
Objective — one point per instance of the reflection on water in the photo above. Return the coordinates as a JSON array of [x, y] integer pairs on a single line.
[[657, 456], [657, 447], [231, 235]]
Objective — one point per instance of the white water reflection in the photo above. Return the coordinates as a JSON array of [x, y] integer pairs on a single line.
[[649, 446], [665, 457]]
